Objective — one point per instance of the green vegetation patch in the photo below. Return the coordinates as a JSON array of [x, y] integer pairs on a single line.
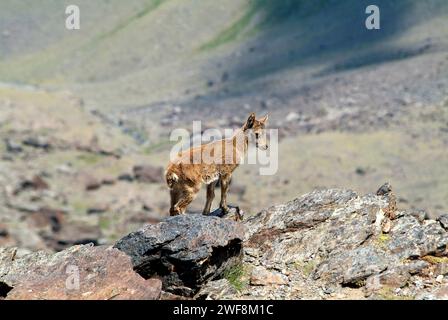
[[238, 276], [435, 260], [382, 240], [89, 158], [306, 267], [151, 6]]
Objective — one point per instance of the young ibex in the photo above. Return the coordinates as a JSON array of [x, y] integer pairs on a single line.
[[185, 177]]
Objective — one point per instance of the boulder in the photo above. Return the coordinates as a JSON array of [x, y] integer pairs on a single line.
[[79, 273], [335, 239], [185, 251]]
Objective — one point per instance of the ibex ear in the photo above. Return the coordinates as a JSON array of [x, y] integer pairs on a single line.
[[264, 119], [250, 122]]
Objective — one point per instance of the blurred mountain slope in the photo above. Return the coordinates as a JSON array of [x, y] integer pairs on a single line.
[[136, 52]]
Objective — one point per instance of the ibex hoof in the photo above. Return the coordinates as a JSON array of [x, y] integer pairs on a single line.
[[239, 215]]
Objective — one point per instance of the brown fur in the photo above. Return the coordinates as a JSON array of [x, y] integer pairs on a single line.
[[185, 178]]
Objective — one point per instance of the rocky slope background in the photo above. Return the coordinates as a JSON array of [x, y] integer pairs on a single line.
[[327, 244], [67, 177]]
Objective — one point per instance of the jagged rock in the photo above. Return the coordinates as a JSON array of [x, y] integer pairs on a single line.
[[185, 251], [443, 220], [353, 266], [337, 238], [148, 174], [410, 239], [103, 273]]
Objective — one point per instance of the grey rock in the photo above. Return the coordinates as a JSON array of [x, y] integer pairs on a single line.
[[352, 267], [334, 238], [304, 212]]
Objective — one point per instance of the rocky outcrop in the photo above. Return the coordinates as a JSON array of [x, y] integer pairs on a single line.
[[332, 243], [327, 244], [185, 251], [81, 272]]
